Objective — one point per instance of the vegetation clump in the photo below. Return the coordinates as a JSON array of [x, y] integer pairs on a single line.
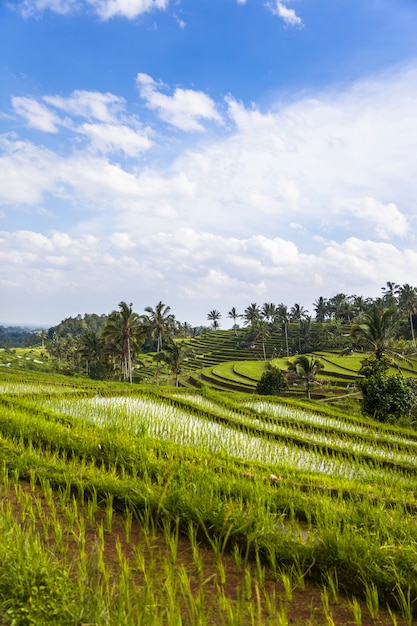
[[385, 397], [271, 382]]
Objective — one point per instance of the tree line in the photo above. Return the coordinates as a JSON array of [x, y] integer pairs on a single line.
[[104, 346]]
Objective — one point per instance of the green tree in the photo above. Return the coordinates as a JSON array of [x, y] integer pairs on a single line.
[[271, 382], [251, 314], [123, 333], [375, 329], [214, 315], [307, 368], [282, 316], [160, 322], [233, 315], [92, 348], [262, 330], [175, 354], [321, 309], [407, 303], [268, 312], [386, 398], [390, 294]]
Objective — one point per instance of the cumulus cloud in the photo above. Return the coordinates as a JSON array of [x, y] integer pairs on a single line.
[[104, 107], [36, 115], [108, 138], [105, 9], [288, 15], [184, 109], [384, 218], [311, 197], [63, 7], [199, 268], [130, 9]]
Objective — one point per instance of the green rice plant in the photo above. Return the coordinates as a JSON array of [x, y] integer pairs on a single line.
[[237, 555], [392, 616], [372, 599], [332, 584], [109, 512], [260, 571], [286, 579], [405, 604], [282, 615], [356, 611]]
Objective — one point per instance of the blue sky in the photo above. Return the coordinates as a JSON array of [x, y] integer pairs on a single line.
[[206, 153]]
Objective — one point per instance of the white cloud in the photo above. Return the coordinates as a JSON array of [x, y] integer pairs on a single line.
[[63, 7], [105, 9], [114, 138], [26, 172], [184, 109], [121, 241], [130, 9], [36, 115], [309, 198], [288, 15], [385, 219], [104, 107]]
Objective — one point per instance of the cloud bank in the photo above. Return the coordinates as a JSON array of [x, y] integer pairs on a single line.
[[305, 198]]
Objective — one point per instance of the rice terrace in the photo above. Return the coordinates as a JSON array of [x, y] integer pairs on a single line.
[[179, 492]]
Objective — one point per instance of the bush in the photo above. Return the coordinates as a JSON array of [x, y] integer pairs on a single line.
[[388, 398], [271, 382]]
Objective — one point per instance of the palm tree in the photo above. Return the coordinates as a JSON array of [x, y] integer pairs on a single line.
[[214, 315], [160, 321], [233, 314], [42, 334], [298, 313], [407, 302], [251, 314], [268, 312], [338, 305], [174, 355], [91, 347], [307, 368], [390, 294], [374, 329], [123, 332], [321, 309], [282, 317], [262, 332]]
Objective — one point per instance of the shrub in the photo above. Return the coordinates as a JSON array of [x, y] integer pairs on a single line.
[[271, 382], [387, 398]]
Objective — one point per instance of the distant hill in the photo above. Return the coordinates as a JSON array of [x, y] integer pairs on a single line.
[[17, 336]]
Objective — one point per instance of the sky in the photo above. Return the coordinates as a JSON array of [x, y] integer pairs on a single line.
[[204, 153]]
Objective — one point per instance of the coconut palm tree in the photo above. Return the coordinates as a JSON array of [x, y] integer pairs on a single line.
[[251, 314], [160, 322], [375, 328], [268, 312], [307, 368], [123, 332], [407, 302], [91, 347], [390, 294], [214, 315], [262, 332], [282, 316], [321, 309], [233, 314], [174, 355]]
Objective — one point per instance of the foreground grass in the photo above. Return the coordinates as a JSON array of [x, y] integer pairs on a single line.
[[243, 533]]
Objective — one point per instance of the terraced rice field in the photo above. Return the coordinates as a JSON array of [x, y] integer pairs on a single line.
[[167, 506]]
